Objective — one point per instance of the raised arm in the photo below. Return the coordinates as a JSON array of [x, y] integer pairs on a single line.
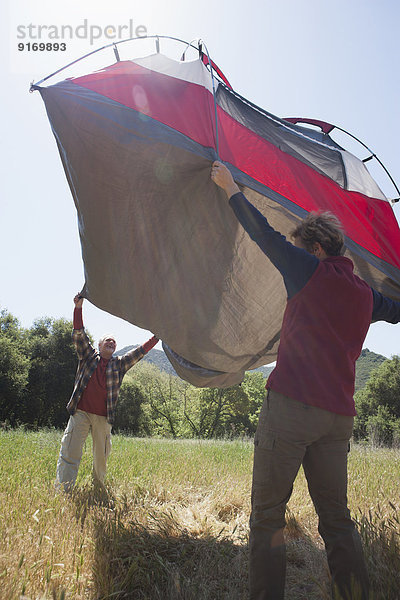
[[147, 346], [78, 301], [80, 339], [295, 264], [133, 356], [78, 320]]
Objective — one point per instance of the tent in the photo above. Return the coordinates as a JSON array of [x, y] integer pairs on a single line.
[[161, 247]]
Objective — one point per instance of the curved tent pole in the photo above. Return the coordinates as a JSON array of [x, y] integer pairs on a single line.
[[200, 44], [328, 127], [35, 86], [373, 155]]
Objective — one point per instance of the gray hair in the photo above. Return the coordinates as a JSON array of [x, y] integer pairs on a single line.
[[107, 335]]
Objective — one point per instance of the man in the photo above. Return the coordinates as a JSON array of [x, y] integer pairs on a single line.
[[93, 401], [307, 416]]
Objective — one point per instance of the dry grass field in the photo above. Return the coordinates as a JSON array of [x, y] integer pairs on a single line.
[[172, 523]]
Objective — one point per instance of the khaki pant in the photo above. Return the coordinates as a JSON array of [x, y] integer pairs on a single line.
[[289, 434], [74, 437]]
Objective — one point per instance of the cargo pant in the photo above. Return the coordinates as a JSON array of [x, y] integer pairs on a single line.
[[290, 434], [74, 437]]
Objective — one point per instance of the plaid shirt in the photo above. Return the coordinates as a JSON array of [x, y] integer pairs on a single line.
[[116, 368]]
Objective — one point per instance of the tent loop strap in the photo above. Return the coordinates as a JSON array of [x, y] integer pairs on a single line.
[[364, 160], [189, 45], [116, 53], [157, 44]]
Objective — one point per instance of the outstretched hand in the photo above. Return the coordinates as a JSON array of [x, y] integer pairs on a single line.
[[78, 301], [223, 178]]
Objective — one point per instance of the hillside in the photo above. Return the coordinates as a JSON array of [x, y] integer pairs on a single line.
[[154, 357], [159, 359], [367, 362]]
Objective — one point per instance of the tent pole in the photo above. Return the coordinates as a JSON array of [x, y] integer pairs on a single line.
[[373, 155], [35, 86], [201, 43]]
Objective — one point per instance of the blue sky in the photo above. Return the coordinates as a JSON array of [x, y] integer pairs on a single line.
[[335, 61]]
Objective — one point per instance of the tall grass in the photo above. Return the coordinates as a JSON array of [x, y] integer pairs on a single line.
[[172, 523]]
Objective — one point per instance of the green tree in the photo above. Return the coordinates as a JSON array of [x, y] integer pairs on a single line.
[[383, 387], [223, 412], [378, 404], [10, 327], [162, 411], [382, 427], [130, 417], [14, 368], [52, 371], [254, 386]]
